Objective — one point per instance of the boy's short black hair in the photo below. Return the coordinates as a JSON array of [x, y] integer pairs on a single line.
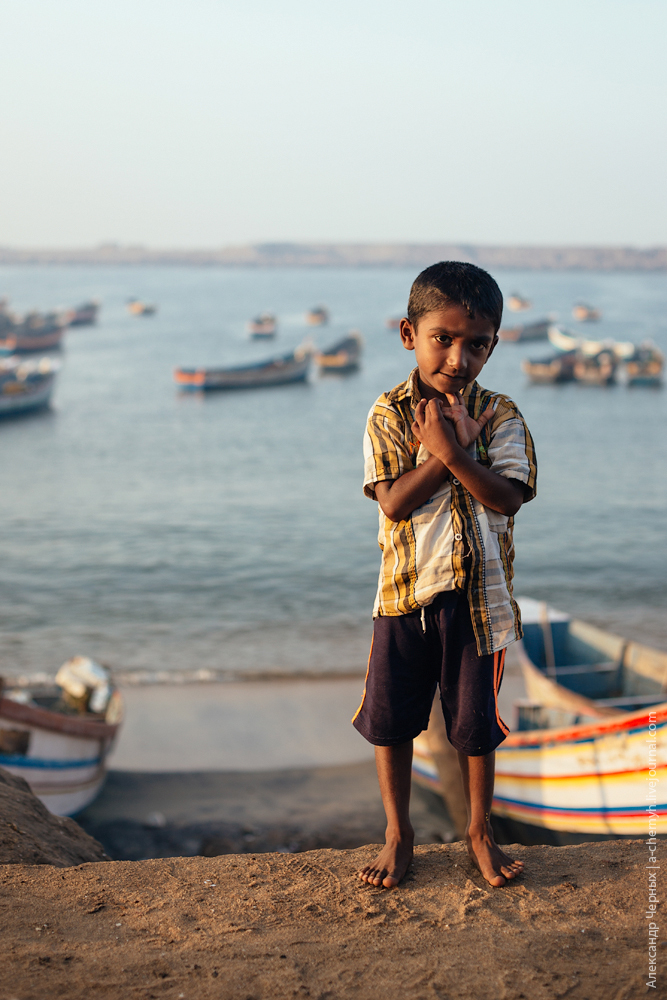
[[454, 282]]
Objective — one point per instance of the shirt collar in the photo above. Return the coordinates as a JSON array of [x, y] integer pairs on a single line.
[[410, 390]]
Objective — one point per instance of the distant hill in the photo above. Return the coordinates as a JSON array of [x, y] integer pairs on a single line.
[[414, 255]]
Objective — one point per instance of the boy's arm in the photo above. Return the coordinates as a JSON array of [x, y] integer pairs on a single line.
[[399, 497], [437, 434]]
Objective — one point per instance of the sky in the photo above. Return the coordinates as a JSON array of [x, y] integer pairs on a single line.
[[207, 123]]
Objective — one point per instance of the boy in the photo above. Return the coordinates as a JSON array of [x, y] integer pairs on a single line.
[[450, 464]]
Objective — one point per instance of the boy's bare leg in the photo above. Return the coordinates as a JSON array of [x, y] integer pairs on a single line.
[[478, 774], [394, 767]]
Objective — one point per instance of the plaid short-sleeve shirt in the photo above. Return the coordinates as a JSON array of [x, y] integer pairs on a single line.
[[451, 542]]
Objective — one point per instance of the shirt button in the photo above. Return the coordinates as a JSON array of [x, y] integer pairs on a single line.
[[459, 538], [456, 482]]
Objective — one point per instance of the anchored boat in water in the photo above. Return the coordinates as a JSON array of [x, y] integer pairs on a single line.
[[342, 356], [26, 385], [58, 736], [33, 332], [317, 316], [594, 723], [262, 327], [291, 367], [529, 331]]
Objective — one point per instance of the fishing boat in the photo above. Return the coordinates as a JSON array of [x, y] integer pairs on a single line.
[[529, 331], [58, 740], [552, 369], [596, 369], [589, 744], [645, 366], [342, 356], [291, 367], [517, 303], [586, 314], [83, 315], [393, 322], [262, 327], [33, 332], [138, 308], [26, 385], [317, 316]]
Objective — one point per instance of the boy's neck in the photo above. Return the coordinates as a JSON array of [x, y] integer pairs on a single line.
[[428, 392]]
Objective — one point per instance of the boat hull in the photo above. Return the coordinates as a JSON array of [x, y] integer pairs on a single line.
[[25, 397], [63, 757], [27, 343], [586, 780], [278, 372]]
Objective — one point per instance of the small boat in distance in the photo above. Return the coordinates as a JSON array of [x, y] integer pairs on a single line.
[[57, 736], [547, 371], [26, 385], [517, 303], [342, 356], [575, 767], [83, 315], [262, 327], [596, 369], [291, 367], [586, 314], [644, 366], [138, 308], [529, 331], [393, 322], [317, 316]]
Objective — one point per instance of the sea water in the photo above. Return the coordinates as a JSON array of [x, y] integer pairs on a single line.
[[166, 533]]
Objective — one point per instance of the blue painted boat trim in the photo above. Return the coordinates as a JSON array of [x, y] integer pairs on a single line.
[[44, 765], [601, 810]]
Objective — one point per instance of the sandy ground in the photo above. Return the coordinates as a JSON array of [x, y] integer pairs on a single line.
[[268, 926]]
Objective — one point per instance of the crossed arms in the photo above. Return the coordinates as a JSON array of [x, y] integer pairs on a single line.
[[446, 431]]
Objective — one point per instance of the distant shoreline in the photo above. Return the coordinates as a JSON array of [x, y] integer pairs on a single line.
[[356, 255]]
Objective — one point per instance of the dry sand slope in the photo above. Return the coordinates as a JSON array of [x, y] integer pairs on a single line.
[[270, 926]]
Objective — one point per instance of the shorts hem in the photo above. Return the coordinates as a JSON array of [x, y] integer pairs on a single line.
[[379, 741], [478, 751]]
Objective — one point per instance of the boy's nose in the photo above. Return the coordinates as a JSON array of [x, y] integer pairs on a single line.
[[455, 359]]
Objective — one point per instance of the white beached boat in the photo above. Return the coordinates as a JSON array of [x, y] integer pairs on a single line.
[[59, 749], [589, 754]]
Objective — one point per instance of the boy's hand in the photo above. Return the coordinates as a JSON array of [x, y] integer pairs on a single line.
[[432, 429], [467, 429]]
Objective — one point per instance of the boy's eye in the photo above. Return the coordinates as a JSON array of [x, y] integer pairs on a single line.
[[442, 338], [480, 345]]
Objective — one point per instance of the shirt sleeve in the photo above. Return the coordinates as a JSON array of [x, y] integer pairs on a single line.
[[511, 449], [387, 454]]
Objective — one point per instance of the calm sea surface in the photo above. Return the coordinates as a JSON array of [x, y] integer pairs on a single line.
[[158, 531]]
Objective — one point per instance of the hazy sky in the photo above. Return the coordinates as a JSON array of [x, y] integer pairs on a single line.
[[211, 122]]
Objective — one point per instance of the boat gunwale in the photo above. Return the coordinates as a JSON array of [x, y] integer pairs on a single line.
[[45, 718]]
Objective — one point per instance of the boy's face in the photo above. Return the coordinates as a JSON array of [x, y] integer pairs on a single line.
[[450, 348]]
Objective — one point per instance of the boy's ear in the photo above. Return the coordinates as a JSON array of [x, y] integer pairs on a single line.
[[408, 334]]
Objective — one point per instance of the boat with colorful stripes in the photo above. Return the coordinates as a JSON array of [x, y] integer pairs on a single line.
[[588, 756]]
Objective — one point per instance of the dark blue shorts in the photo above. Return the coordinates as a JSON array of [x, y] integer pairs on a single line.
[[406, 665]]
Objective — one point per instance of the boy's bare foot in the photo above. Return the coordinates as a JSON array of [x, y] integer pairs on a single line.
[[391, 863], [496, 866]]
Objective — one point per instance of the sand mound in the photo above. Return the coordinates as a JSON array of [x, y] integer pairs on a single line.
[[31, 835], [273, 926]]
